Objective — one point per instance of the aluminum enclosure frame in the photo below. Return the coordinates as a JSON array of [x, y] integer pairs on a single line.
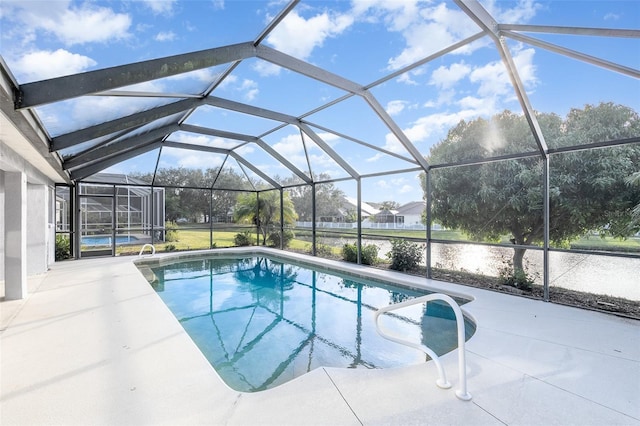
[[122, 143]]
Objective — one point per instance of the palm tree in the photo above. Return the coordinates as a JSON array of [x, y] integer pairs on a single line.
[[263, 210]]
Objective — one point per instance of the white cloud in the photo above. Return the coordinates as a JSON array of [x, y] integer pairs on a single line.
[[246, 149], [44, 64], [266, 69], [165, 36], [383, 184], [91, 110], [429, 27], [292, 149], [160, 7], [494, 80], [446, 77], [374, 158], [611, 17], [394, 145], [247, 87], [396, 107], [298, 36], [290, 145], [218, 4], [250, 89], [405, 189], [85, 24], [435, 124], [196, 160], [521, 12]]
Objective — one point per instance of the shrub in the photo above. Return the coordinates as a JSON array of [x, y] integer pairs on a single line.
[[274, 238], [350, 253], [324, 250], [243, 239], [368, 255], [517, 278], [63, 247], [404, 255], [170, 231]]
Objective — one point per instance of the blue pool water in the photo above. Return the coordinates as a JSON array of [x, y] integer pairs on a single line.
[[106, 241], [261, 322]]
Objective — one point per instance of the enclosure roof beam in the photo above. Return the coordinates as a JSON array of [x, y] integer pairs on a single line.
[[551, 29], [217, 133], [255, 170], [202, 148], [395, 129], [481, 17], [249, 109], [328, 150], [275, 21], [91, 169], [125, 123], [359, 142], [58, 89], [306, 69], [522, 96], [612, 66], [240, 159], [119, 146], [262, 144]]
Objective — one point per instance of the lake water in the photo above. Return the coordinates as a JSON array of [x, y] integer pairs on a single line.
[[615, 276]]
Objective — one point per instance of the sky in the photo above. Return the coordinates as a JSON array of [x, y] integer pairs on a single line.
[[362, 41]]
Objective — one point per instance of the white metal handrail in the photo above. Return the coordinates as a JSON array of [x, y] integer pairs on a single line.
[[442, 377], [153, 249]]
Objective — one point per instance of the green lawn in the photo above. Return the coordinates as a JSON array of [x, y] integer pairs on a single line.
[[195, 239]]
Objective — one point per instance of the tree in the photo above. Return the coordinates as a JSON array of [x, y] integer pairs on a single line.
[[329, 199], [587, 188], [182, 200], [389, 205], [263, 210]]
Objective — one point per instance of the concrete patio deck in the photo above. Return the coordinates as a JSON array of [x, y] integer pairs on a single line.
[[94, 344]]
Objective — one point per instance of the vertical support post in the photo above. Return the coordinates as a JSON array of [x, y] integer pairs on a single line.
[[77, 239], [15, 235], [546, 216], [114, 218], [281, 218], [258, 218], [210, 218], [359, 219], [428, 220], [313, 218], [72, 221], [152, 214]]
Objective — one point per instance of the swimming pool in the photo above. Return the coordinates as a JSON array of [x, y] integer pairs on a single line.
[[106, 240], [262, 322]]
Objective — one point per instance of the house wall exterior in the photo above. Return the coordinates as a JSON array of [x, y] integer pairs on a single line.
[[39, 232]]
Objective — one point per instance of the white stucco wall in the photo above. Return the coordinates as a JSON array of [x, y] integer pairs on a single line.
[[40, 236], [2, 225]]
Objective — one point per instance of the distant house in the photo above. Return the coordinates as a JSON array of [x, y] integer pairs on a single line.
[[387, 216], [411, 213], [351, 204]]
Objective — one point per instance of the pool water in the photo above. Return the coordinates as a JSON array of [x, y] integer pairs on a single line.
[[106, 241], [261, 322]]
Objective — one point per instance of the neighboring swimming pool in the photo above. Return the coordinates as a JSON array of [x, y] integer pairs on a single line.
[[261, 322], [106, 240]]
